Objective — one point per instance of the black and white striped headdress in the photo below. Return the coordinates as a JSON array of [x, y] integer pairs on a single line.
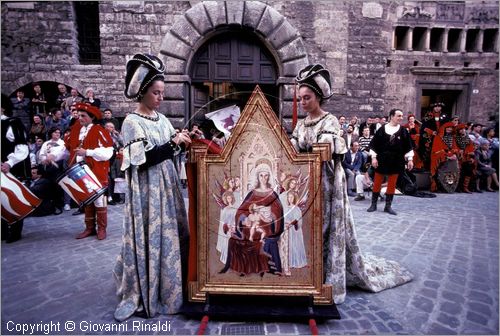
[[142, 69], [317, 78]]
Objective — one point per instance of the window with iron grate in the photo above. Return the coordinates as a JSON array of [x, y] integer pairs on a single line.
[[89, 40]]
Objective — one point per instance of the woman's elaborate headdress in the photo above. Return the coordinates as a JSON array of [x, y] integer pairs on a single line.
[[142, 69], [317, 78]]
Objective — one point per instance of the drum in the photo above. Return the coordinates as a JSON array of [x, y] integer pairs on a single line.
[[79, 182], [17, 200]]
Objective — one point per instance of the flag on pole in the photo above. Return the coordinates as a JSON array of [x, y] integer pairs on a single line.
[[225, 119]]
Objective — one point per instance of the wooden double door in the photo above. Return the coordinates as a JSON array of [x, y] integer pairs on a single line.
[[226, 70]]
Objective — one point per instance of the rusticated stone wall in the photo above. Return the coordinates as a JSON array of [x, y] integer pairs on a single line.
[[353, 39]]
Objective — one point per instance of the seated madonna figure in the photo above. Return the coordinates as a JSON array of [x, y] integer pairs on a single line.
[[246, 252]]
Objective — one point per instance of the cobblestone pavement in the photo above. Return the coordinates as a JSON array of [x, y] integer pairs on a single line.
[[450, 243]]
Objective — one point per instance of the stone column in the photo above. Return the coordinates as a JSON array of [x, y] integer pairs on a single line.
[[479, 42], [463, 40], [495, 44], [394, 42], [444, 42], [409, 39], [427, 40]]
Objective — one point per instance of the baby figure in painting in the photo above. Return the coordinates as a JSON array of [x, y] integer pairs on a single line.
[[253, 221]]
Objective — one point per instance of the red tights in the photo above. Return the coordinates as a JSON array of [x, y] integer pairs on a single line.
[[391, 183]]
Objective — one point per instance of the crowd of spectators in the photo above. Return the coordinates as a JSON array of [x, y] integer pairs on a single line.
[[47, 124], [473, 146]]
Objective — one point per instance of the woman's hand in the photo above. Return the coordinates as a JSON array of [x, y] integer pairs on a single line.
[[182, 138], [196, 134], [374, 162]]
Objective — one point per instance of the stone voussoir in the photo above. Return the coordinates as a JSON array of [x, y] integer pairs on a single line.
[[284, 34], [270, 20], [175, 47], [234, 10], [292, 50], [253, 13], [185, 31], [217, 12], [198, 16]]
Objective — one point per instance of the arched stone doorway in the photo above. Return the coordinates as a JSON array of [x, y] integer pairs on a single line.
[[203, 24]]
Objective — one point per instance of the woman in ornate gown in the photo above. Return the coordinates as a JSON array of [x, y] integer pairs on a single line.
[[151, 267], [343, 262]]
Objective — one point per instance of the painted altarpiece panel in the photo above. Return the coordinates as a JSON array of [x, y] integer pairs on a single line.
[[259, 209]]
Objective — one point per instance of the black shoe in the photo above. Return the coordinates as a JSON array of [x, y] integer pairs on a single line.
[[359, 197], [373, 206], [388, 205], [77, 212], [111, 203], [12, 239], [390, 211]]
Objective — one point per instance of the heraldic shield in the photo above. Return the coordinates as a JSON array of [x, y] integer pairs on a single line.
[[449, 175]]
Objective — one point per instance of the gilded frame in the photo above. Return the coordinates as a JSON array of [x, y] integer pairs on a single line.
[[259, 148]]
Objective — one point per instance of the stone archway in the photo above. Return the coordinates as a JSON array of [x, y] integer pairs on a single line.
[[9, 87], [208, 18]]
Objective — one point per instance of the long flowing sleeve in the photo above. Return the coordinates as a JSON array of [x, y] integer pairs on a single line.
[[136, 144], [330, 133]]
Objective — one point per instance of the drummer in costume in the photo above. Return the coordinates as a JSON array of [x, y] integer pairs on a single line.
[[444, 148], [15, 159], [390, 151], [428, 131], [91, 143]]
